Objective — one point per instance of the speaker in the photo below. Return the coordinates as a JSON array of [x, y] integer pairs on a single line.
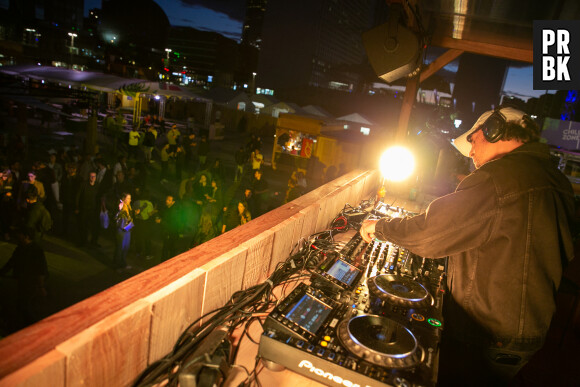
[[394, 51]]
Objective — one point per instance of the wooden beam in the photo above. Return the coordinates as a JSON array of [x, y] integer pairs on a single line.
[[441, 61], [408, 100], [524, 53]]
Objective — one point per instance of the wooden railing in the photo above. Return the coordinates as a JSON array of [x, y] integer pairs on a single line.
[[110, 338]]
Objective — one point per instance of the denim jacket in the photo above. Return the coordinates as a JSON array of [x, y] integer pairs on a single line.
[[506, 230], [124, 221]]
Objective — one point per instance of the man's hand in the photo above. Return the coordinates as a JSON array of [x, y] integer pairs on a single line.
[[367, 230]]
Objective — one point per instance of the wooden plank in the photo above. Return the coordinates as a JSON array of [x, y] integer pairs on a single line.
[[356, 192], [283, 242], [297, 236], [112, 352], [440, 62], [48, 369], [258, 259], [224, 277], [371, 184], [310, 214], [408, 101], [173, 309], [524, 53]]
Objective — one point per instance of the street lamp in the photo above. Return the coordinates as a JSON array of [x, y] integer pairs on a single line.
[[254, 83], [72, 46], [72, 39], [168, 50]]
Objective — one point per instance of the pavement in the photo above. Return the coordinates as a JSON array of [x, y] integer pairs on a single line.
[[76, 273]]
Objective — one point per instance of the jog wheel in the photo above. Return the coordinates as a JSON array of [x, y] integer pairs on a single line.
[[400, 291], [380, 341]]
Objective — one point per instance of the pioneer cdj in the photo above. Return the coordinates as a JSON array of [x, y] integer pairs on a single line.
[[369, 316]]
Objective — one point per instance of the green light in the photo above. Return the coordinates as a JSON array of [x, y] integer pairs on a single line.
[[434, 322]]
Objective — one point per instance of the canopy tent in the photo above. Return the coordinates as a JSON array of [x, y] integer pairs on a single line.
[[99, 81], [108, 83]]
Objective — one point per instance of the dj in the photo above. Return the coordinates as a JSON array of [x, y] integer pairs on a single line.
[[506, 230]]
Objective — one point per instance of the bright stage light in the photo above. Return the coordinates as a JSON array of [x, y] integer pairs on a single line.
[[397, 163]]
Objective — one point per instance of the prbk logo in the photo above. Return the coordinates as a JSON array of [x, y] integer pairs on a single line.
[[556, 54]]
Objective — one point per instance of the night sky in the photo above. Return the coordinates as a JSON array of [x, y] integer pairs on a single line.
[[226, 17]]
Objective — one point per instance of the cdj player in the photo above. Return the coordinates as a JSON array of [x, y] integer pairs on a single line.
[[370, 316]]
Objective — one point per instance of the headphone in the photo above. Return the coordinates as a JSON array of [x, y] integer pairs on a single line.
[[494, 127]]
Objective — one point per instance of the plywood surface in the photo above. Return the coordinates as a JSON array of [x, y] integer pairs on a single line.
[[48, 369], [112, 352], [173, 309], [224, 277]]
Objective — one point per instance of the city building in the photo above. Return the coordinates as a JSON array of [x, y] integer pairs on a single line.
[[313, 43], [202, 58]]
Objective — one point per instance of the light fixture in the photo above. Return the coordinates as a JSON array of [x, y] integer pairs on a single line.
[[396, 164]]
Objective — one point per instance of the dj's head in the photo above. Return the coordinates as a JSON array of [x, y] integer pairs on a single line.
[[495, 133]]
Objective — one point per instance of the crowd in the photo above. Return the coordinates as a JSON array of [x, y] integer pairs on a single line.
[[151, 190], [159, 196], [84, 195]]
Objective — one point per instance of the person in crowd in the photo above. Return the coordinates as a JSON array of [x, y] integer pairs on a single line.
[[296, 186], [180, 162], [144, 223], [69, 190], [133, 143], [249, 200], [257, 159], [124, 225], [15, 170], [109, 125], [173, 138], [190, 147], [186, 187], [261, 191], [215, 200], [254, 142], [235, 215], [134, 179], [206, 229], [47, 177], [149, 142], [30, 185], [241, 158], [202, 151], [37, 217], [117, 134], [120, 165], [507, 232], [7, 203], [166, 157], [171, 220], [102, 173], [217, 170], [86, 165], [29, 266], [120, 186], [88, 205], [201, 190], [57, 169]]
